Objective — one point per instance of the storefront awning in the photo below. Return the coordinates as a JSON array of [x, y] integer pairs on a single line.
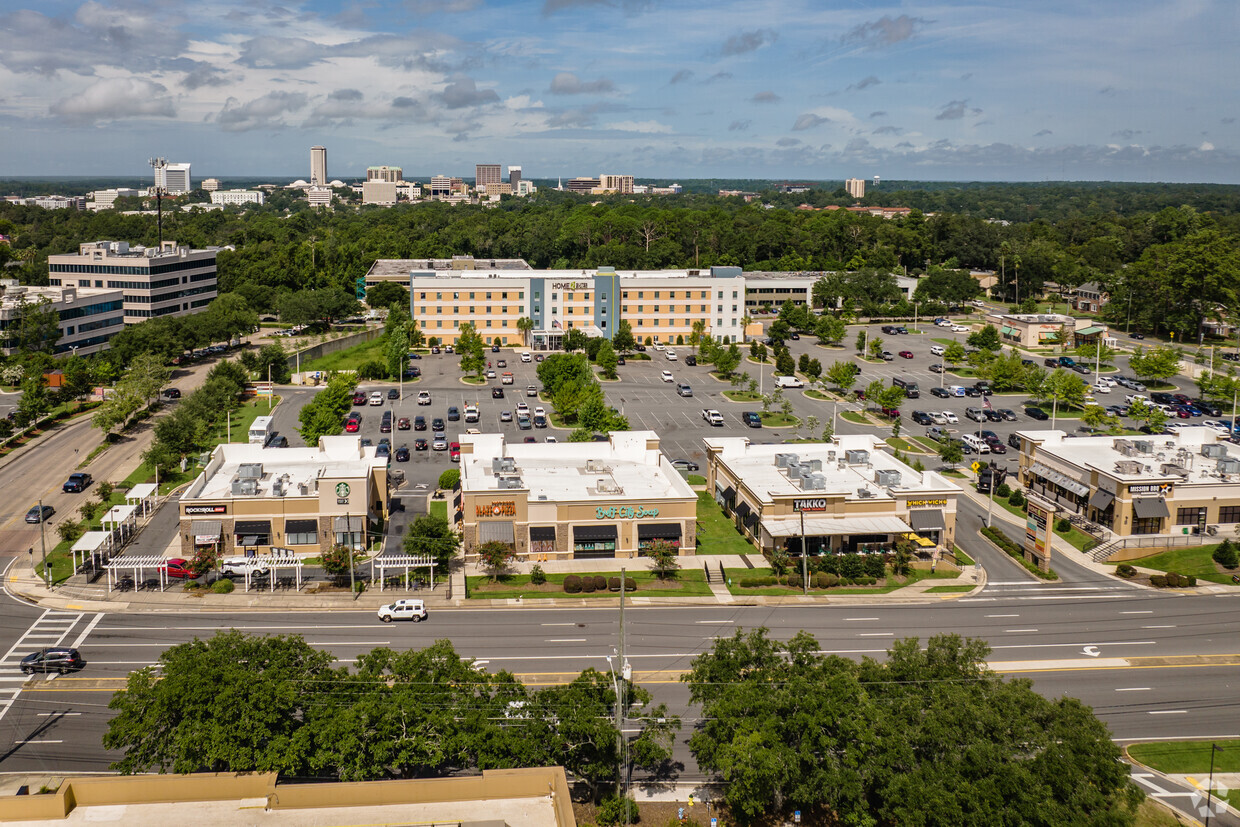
[[252, 527], [300, 526], [1090, 331], [542, 533], [1101, 500], [342, 525], [842, 527], [927, 519], [496, 531], [1062, 480], [1009, 331], [1147, 508], [751, 520], [602, 531], [658, 531], [729, 493], [743, 510], [207, 531]]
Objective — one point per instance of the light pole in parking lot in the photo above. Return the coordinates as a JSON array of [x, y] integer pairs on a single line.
[[47, 575]]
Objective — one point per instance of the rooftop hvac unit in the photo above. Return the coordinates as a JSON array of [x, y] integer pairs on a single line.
[[509, 482], [1214, 451], [303, 489], [250, 471], [865, 493], [830, 456], [277, 488], [794, 470], [1128, 467], [856, 457], [1145, 446], [887, 478], [1229, 465], [1168, 469], [1130, 450], [542, 497], [497, 465], [245, 487], [507, 464], [1120, 444], [814, 465], [782, 459]]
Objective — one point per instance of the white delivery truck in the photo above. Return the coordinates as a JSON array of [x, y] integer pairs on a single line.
[[260, 430], [789, 382]]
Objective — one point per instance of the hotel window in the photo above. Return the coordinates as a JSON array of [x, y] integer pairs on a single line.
[[604, 298], [553, 297], [671, 294], [721, 294], [489, 308], [703, 308], [1229, 514], [503, 295], [555, 311], [733, 294], [720, 308], [521, 295], [471, 296], [488, 295], [439, 310], [422, 296], [471, 310], [456, 296], [625, 294], [439, 323], [641, 294], [439, 297], [656, 294], [568, 297], [1190, 516], [536, 294], [656, 308], [488, 322]]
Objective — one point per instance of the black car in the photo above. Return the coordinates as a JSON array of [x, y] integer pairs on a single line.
[[454, 414], [415, 355], [495, 348], [1036, 413], [420, 444], [402, 453], [992, 415], [393, 393], [437, 424], [497, 393], [419, 423], [1137, 335], [971, 391], [752, 419], [76, 483], [690, 360], [38, 514], [172, 393], [941, 392], [53, 659], [921, 418], [796, 337], [684, 465], [1207, 408], [1013, 441]]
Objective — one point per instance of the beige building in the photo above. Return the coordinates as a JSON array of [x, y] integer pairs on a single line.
[[847, 495], [250, 499], [378, 191], [385, 173], [318, 166], [210, 184], [486, 175], [855, 187], [622, 184], [1044, 329], [1160, 484], [169, 280], [573, 500]]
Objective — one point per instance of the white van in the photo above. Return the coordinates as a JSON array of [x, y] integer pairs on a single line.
[[789, 382], [956, 390], [976, 443]]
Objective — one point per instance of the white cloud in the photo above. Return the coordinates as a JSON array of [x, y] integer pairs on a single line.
[[651, 127], [115, 99]]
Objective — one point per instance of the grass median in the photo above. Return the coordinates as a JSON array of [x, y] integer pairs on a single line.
[[885, 586], [1195, 560], [686, 583], [716, 533]]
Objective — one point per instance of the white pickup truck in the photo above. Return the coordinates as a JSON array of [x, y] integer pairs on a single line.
[[713, 417]]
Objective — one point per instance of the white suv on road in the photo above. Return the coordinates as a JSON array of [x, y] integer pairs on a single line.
[[408, 608], [237, 566]]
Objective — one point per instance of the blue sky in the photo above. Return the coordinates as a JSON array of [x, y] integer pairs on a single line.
[[1139, 90]]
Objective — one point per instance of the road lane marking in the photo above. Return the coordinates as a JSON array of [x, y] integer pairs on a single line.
[[1002, 615], [715, 621], [1168, 712], [876, 634], [557, 624], [1145, 612], [38, 742], [1011, 631], [861, 618], [566, 640], [90, 627], [1157, 627], [55, 714], [1133, 689]]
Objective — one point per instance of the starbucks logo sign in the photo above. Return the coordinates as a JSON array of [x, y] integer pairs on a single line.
[[342, 489]]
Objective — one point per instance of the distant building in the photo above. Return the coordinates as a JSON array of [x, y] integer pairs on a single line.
[[622, 184], [156, 281], [318, 166], [89, 317], [855, 187], [174, 179], [211, 184], [582, 185], [319, 196], [49, 202], [1041, 329], [441, 185], [525, 187], [748, 196], [1090, 297], [385, 173], [485, 175], [106, 199], [236, 197], [514, 177], [788, 187], [379, 192]]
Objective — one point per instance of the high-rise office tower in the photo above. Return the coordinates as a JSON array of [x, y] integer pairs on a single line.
[[855, 187], [318, 166], [514, 177], [485, 174], [173, 179], [384, 173]]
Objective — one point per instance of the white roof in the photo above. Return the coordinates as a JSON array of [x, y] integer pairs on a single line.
[[141, 492], [334, 457], [623, 468], [755, 466], [1106, 454], [91, 541], [118, 514]]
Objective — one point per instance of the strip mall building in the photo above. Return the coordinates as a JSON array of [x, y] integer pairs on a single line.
[[847, 495], [573, 500]]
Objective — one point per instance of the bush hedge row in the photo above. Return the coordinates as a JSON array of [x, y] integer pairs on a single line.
[[1172, 580], [1014, 551], [591, 583], [821, 580]]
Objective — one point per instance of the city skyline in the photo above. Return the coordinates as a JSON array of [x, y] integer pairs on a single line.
[[951, 91]]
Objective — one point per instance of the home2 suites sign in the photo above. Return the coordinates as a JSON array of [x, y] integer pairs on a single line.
[[571, 285]]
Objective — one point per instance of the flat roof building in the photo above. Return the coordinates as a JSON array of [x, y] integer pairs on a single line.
[[174, 179], [318, 166], [855, 187], [852, 495], [1040, 329], [251, 498], [89, 317], [169, 280], [573, 500], [232, 198], [1158, 484], [384, 173], [379, 191]]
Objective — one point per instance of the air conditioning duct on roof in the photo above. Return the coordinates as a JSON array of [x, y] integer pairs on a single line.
[[887, 478], [865, 493], [1214, 451], [1145, 446], [1228, 465], [814, 465], [856, 457], [250, 471], [782, 459]]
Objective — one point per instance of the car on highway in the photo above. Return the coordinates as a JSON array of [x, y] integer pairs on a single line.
[[407, 608], [59, 659], [402, 424], [402, 454], [906, 354], [420, 444], [424, 397], [177, 567], [943, 393], [505, 416], [684, 465], [39, 513], [76, 483], [1036, 413], [237, 566], [1137, 335], [666, 376]]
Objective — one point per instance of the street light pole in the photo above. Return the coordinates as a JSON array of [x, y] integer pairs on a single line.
[[1210, 783], [47, 575]]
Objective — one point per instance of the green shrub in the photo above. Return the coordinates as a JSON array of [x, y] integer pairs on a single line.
[[822, 580], [1003, 490], [538, 576], [1192, 580], [1226, 556], [1125, 570], [600, 583], [587, 584], [1158, 581], [874, 566], [572, 584], [750, 582], [846, 581], [630, 585], [1063, 525], [613, 584], [611, 811], [794, 580], [1017, 499], [769, 580], [359, 586], [223, 586]]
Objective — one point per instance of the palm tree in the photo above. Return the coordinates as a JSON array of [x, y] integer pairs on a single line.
[[699, 328], [746, 320], [525, 324]]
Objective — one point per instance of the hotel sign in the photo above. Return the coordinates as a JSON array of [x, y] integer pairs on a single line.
[[813, 504], [506, 508], [624, 512], [571, 285]]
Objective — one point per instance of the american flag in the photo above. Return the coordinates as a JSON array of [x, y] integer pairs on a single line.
[[986, 403]]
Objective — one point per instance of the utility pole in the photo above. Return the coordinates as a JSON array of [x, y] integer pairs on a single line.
[[804, 556], [348, 532], [1210, 784], [159, 164], [621, 665], [47, 575]]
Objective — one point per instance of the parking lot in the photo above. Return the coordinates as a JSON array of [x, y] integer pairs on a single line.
[[651, 403]]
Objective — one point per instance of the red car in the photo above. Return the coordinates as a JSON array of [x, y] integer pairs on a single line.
[[176, 567], [359, 398], [906, 354], [352, 425], [402, 424], [454, 452]]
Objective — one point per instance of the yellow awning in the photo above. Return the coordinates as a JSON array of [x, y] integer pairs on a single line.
[[919, 540]]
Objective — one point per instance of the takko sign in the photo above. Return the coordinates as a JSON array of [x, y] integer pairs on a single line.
[[812, 504], [506, 508]]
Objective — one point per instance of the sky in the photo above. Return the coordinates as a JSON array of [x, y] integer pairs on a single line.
[[1005, 90]]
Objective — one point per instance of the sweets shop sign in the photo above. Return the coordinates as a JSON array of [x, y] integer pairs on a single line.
[[504, 508]]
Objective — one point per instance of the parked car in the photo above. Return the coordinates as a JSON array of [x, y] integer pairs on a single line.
[[38, 514], [497, 393], [352, 425], [402, 454], [906, 354], [419, 423], [992, 415], [437, 424], [921, 418], [60, 659], [237, 566], [684, 465], [76, 483], [975, 414], [424, 397], [505, 416], [176, 567], [404, 609], [951, 418], [940, 392], [454, 413], [376, 398], [454, 451], [402, 424], [420, 444], [1008, 414], [1036, 413]]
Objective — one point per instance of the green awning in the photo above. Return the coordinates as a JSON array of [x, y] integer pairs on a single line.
[[1090, 331], [1009, 331]]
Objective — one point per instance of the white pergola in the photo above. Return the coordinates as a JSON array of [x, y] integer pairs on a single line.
[[143, 496], [275, 563], [91, 544], [402, 562], [121, 519], [138, 564]]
